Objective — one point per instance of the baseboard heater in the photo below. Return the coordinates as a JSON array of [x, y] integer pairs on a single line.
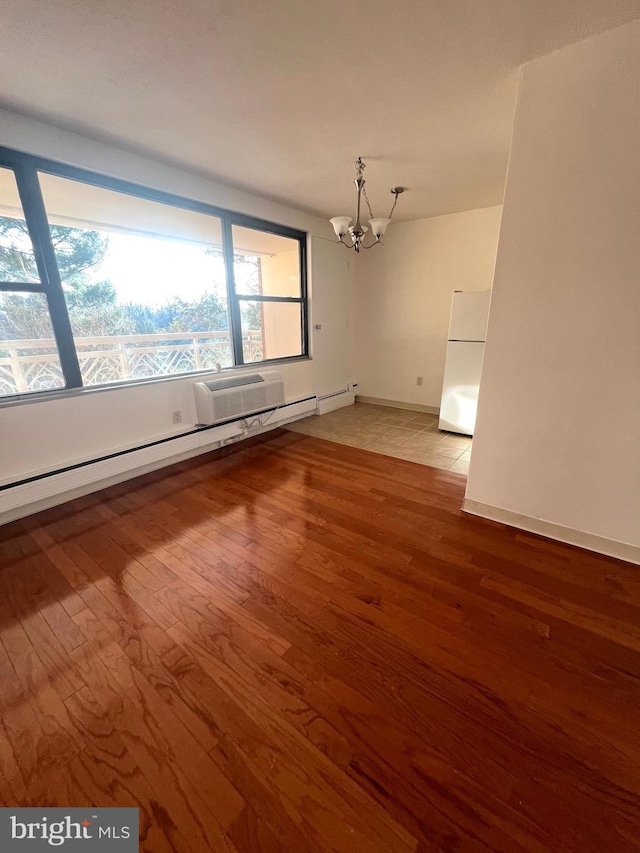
[[335, 400], [49, 488]]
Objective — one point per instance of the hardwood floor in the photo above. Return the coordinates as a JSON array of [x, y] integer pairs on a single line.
[[303, 646]]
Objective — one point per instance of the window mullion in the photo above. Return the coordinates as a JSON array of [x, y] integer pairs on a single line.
[[38, 227], [234, 304], [22, 287]]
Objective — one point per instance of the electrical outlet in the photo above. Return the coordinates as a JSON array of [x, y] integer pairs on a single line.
[[176, 417], [419, 380]]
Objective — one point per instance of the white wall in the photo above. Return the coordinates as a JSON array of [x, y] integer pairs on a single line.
[[332, 306], [558, 430], [40, 436], [403, 300]]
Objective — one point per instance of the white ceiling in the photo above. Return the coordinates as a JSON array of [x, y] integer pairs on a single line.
[[281, 96]]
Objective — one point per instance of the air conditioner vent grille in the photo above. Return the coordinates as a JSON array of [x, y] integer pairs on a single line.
[[233, 382]]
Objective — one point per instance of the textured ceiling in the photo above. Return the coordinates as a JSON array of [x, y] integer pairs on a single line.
[[281, 96]]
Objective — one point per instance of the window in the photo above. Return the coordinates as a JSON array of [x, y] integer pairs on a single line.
[[268, 294], [104, 282], [144, 284], [29, 359]]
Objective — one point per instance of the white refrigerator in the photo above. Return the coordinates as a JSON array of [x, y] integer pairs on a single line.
[[463, 365]]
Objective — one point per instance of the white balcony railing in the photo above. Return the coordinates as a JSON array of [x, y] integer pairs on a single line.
[[33, 365]]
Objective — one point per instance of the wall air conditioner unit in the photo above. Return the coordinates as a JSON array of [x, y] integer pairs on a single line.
[[235, 396]]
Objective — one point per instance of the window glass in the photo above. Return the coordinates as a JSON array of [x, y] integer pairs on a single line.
[[28, 355], [265, 264], [270, 329], [144, 282], [17, 261]]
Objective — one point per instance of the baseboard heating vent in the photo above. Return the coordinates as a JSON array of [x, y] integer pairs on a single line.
[[336, 400], [236, 396], [333, 394]]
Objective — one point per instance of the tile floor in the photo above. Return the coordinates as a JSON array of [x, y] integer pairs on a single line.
[[394, 432]]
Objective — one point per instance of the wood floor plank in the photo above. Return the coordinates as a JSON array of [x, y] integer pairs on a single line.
[[36, 684], [146, 733], [41, 745], [16, 588], [296, 758], [12, 787], [294, 645], [250, 832], [105, 772], [280, 685], [281, 818], [164, 677]]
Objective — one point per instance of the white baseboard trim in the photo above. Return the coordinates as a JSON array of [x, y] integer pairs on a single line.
[[91, 476], [589, 541], [398, 404], [335, 401]]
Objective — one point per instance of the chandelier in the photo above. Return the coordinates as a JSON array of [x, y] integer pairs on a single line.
[[342, 224]]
